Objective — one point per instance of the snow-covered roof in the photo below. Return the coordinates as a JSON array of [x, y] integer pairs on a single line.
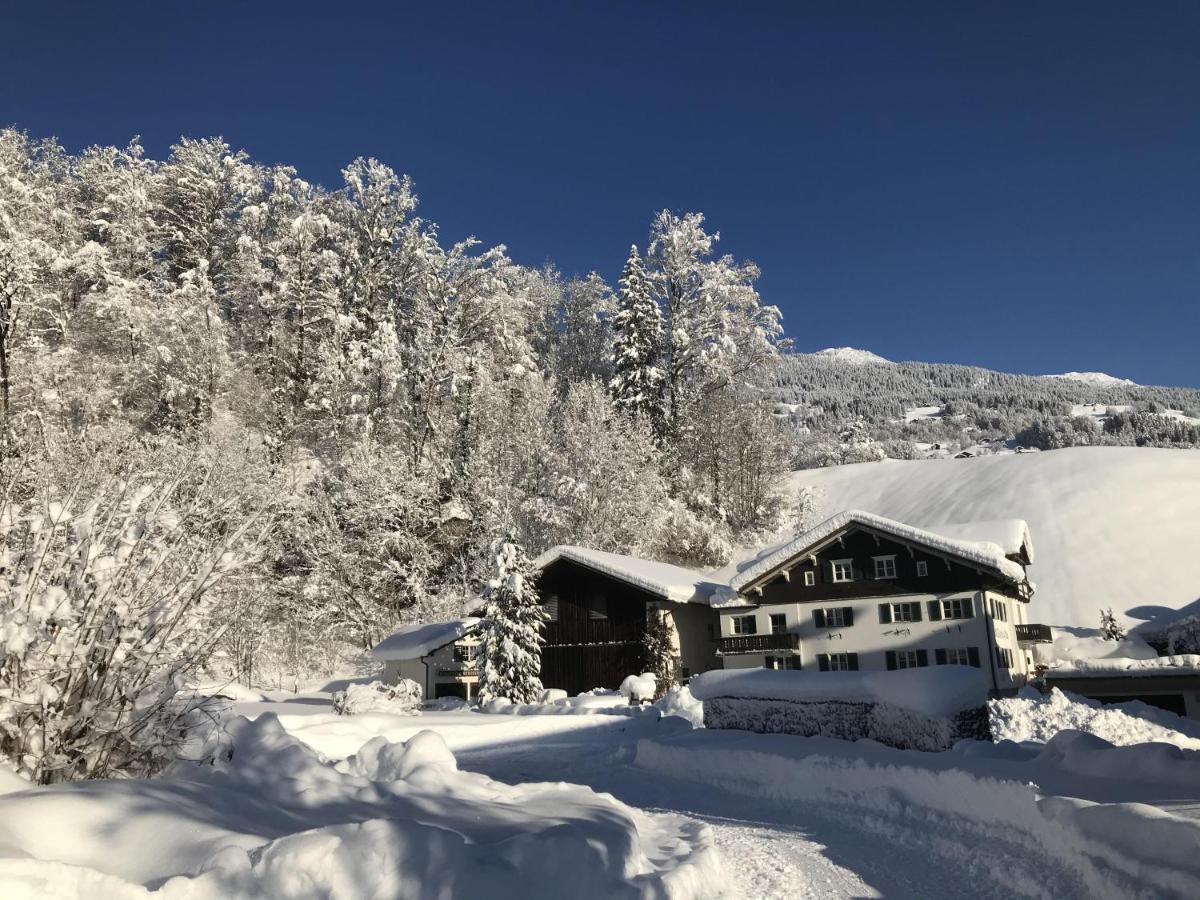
[[1010, 535], [1180, 664], [673, 583], [417, 640], [985, 554]]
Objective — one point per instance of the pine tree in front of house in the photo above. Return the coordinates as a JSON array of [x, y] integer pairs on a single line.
[[1110, 628], [638, 381], [510, 649], [658, 650]]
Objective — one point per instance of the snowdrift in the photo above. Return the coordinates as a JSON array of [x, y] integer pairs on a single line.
[[967, 802], [1033, 716], [1114, 526], [395, 820]]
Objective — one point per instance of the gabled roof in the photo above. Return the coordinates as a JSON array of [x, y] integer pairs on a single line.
[[670, 582], [417, 640], [981, 554], [1011, 535]]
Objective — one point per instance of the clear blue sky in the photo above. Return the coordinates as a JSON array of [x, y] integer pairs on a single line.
[[1015, 185]]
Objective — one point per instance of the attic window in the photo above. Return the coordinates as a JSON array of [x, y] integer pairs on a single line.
[[843, 570], [810, 578], [885, 566], [922, 568]]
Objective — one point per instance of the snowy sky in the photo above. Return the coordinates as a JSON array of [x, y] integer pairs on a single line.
[[1012, 185]]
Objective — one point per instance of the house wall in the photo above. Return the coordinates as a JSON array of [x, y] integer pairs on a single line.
[[868, 636], [697, 626], [440, 673]]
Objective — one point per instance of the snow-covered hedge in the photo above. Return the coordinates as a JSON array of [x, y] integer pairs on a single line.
[[941, 691], [1033, 716], [844, 719], [402, 698]]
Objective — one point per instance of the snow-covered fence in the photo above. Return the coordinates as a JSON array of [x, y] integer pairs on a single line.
[[909, 710]]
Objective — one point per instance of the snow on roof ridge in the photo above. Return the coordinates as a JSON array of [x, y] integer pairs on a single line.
[[1012, 535], [418, 639], [671, 582], [984, 553]]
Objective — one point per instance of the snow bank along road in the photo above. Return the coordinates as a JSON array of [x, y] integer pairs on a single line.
[[814, 817]]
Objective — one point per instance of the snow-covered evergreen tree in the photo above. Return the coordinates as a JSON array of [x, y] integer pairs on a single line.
[[510, 648], [658, 650], [638, 377], [1110, 628]]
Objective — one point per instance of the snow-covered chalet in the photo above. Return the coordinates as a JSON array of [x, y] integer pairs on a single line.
[[857, 592]]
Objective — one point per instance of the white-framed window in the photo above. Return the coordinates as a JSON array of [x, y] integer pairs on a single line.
[[908, 659], [957, 609], [922, 568], [837, 662], [810, 578], [885, 567], [999, 610], [1004, 658], [843, 570], [906, 612], [956, 656], [778, 623], [834, 617], [743, 624]]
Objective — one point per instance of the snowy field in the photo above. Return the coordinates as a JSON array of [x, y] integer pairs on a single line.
[[601, 803]]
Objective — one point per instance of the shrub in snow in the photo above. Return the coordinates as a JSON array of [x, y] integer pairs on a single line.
[[510, 634], [1183, 636], [678, 701], [639, 688], [658, 650], [401, 699], [552, 695], [104, 614], [1110, 628], [1033, 716]]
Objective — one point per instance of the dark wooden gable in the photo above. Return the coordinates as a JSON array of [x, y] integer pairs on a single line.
[[944, 574], [595, 638]]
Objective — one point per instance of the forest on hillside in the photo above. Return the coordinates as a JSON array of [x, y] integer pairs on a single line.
[[210, 366]]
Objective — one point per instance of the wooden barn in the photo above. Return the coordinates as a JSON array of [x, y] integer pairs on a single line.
[[597, 604]]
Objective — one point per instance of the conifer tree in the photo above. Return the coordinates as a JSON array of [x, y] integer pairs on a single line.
[[510, 648], [658, 650], [1110, 628], [638, 379]]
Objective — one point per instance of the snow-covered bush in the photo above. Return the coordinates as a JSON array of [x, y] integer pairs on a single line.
[[105, 597], [1110, 628], [401, 699], [1183, 636], [640, 688], [678, 701], [1033, 716]]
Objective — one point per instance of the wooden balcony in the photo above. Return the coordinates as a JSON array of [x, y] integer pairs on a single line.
[[1033, 634], [757, 643]]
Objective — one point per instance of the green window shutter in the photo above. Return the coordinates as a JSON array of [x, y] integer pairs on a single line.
[[922, 657], [891, 659], [885, 613], [935, 610], [853, 658], [848, 615], [823, 662], [819, 618], [969, 607], [940, 657], [916, 608], [973, 656]]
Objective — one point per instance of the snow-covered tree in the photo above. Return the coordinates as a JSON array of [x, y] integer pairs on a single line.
[[510, 648], [806, 508], [1183, 635], [659, 643], [638, 381], [1110, 628]]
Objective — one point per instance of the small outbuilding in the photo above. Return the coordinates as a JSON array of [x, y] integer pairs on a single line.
[[439, 656]]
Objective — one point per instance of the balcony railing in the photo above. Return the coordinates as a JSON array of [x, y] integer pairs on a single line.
[[1033, 634], [757, 643]]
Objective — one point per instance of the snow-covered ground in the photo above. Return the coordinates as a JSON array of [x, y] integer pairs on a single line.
[[1110, 523], [656, 809]]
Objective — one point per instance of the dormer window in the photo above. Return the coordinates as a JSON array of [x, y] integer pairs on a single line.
[[885, 566], [843, 570], [922, 568]]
